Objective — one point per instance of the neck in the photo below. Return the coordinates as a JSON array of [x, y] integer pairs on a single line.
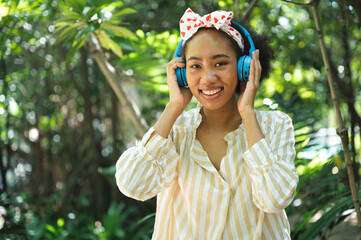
[[226, 118]]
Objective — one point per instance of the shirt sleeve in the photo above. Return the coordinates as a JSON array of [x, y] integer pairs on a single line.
[[273, 174], [146, 169]]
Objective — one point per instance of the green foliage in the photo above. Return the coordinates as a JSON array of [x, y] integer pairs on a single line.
[[61, 129], [101, 18], [333, 213], [23, 223], [322, 198], [115, 226]]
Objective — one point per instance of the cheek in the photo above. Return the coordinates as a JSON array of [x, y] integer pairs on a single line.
[[232, 76], [192, 87], [191, 79]]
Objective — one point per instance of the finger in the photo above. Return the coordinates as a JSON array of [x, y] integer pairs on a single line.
[[171, 68], [258, 61], [174, 61], [259, 67], [173, 65], [252, 69], [256, 67]]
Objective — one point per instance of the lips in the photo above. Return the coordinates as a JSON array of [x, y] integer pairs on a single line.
[[210, 92]]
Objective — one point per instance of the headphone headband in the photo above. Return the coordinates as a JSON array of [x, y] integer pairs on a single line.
[[178, 51], [248, 36]]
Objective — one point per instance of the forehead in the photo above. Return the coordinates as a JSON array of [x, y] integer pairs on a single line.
[[209, 40]]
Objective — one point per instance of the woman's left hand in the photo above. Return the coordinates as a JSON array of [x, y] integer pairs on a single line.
[[249, 89]]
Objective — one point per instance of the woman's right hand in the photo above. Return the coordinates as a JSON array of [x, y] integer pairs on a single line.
[[179, 97]]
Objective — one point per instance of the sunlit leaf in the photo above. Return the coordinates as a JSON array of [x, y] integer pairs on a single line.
[[60, 222], [124, 11], [44, 123], [102, 40], [4, 11], [60, 25], [71, 15], [81, 34], [120, 31], [53, 122], [161, 88], [69, 32], [140, 33], [108, 43], [50, 228], [77, 5], [74, 49], [99, 3], [14, 108], [114, 5], [67, 20]]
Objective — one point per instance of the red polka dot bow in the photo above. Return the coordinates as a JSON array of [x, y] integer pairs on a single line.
[[221, 20]]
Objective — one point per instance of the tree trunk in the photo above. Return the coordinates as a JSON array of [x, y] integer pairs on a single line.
[[341, 129], [110, 74], [115, 129], [345, 88], [3, 168], [356, 4], [94, 155]]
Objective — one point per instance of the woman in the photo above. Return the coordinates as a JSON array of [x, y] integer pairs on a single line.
[[222, 170]]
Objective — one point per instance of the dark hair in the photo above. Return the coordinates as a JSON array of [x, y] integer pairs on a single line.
[[260, 42]]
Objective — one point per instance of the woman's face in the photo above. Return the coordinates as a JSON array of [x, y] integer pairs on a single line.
[[211, 69]]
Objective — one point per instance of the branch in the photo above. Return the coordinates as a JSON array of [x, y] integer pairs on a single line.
[[122, 72], [250, 9], [236, 8], [110, 74], [301, 4], [138, 79], [346, 12]]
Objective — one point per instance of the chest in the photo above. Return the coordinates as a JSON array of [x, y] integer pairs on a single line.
[[214, 145]]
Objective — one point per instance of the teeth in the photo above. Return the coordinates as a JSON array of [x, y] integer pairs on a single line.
[[211, 92]]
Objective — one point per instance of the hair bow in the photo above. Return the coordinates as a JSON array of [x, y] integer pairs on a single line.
[[220, 20]]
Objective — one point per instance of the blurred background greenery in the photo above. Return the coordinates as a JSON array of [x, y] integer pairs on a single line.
[[80, 81]]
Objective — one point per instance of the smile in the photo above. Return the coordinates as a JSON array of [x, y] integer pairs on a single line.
[[211, 92]]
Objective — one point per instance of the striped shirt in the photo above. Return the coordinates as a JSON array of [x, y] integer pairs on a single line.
[[245, 199]]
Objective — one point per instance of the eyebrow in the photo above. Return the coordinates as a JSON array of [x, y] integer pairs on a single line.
[[221, 55]]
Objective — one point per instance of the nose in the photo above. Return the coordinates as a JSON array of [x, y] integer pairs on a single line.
[[209, 76]]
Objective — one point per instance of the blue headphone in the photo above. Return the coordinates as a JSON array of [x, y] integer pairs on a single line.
[[243, 64]]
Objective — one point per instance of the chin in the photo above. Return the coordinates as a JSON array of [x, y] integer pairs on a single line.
[[211, 106]]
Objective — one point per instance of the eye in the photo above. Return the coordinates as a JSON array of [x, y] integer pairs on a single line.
[[195, 66], [221, 64]]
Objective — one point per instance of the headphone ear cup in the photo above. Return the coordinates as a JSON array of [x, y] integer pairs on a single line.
[[243, 67], [181, 77]]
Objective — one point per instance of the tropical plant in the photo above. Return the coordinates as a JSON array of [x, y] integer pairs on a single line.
[[97, 24], [20, 222], [99, 18]]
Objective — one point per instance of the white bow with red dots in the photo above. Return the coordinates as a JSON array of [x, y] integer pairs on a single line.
[[220, 20]]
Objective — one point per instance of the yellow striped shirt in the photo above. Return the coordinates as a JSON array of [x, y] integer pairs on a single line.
[[245, 199]]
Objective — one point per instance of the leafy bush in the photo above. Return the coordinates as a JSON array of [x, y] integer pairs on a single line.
[[22, 222]]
